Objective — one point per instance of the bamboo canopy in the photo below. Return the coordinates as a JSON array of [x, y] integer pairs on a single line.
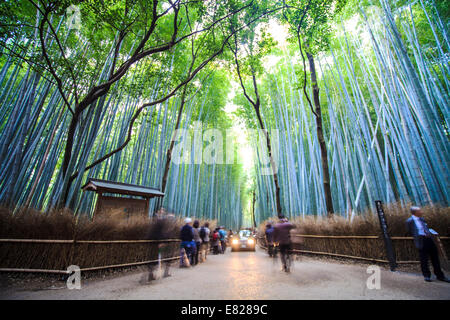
[[106, 104]]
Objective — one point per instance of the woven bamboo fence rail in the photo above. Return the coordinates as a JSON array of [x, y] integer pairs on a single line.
[[367, 248], [54, 256]]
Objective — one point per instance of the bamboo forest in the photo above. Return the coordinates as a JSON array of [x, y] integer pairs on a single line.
[[236, 110]]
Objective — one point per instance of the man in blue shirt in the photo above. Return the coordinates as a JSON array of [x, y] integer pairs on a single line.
[[187, 243], [423, 240], [222, 238]]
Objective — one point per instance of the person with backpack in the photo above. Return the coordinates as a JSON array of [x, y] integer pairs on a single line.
[[204, 237], [222, 238]]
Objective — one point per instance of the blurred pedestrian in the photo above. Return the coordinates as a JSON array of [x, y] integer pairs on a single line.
[[160, 229], [204, 236], [187, 244], [269, 239], [281, 235], [197, 240], [423, 240]]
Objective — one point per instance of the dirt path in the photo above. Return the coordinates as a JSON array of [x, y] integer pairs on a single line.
[[250, 275]]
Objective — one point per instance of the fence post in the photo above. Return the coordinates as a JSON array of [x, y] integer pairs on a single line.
[[390, 253]]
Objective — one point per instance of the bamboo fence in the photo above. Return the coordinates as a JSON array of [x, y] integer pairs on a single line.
[[54, 256], [367, 248]]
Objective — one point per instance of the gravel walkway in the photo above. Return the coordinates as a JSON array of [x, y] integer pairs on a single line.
[[248, 275]]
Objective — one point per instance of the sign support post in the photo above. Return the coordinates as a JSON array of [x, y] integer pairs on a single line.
[[390, 253]]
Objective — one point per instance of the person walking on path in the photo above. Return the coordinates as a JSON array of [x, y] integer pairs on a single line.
[[215, 241], [423, 240], [269, 239], [229, 236], [159, 230], [223, 239], [281, 235], [187, 243], [204, 236], [197, 240]]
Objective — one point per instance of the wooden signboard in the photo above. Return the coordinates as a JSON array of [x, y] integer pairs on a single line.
[[107, 205], [121, 205]]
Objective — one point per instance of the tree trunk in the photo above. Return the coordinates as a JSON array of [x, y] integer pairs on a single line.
[[322, 143], [66, 160], [253, 208], [272, 162], [169, 151]]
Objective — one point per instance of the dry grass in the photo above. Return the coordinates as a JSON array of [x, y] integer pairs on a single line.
[[63, 225], [367, 224]]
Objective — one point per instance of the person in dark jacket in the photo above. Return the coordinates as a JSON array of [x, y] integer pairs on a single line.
[[197, 240], [187, 243], [269, 239], [281, 235], [423, 241]]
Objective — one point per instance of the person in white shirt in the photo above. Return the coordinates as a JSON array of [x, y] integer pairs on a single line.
[[423, 241]]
